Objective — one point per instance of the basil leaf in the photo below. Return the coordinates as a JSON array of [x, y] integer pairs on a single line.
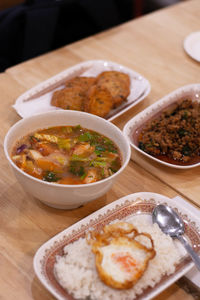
[[50, 177]]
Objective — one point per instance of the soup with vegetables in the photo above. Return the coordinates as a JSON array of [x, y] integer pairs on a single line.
[[67, 155]]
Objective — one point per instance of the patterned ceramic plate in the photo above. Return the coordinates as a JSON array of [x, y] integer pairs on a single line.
[[138, 204], [37, 99]]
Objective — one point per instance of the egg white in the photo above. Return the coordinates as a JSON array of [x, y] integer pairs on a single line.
[[115, 269]]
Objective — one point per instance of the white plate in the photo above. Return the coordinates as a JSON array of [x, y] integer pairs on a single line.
[[192, 45], [37, 99], [138, 204], [131, 128]]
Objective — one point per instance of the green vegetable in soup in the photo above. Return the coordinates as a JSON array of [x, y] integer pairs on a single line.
[[50, 177], [46, 137], [75, 157], [64, 143], [85, 137]]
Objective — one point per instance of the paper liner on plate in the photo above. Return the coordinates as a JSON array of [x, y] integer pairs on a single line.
[[38, 99]]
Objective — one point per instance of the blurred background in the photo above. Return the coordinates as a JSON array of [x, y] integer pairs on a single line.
[[32, 27]]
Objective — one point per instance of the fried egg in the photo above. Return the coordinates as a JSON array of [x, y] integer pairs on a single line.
[[120, 259]]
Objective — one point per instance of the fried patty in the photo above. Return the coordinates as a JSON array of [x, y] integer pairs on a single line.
[[96, 95], [99, 101], [82, 82], [69, 98], [117, 83]]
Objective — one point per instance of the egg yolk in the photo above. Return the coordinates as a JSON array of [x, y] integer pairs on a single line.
[[125, 261]]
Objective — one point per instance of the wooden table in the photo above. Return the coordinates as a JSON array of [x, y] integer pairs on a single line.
[[151, 45]]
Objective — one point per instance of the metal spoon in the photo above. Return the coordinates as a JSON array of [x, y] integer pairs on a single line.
[[170, 223]]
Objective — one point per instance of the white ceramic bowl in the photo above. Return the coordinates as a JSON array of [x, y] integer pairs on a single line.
[[132, 127], [60, 195]]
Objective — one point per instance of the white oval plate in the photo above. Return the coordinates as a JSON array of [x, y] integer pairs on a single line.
[[128, 207], [191, 91], [192, 45], [37, 99]]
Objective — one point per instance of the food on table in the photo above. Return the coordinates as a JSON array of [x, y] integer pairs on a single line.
[[174, 135], [79, 276], [117, 83], [120, 259], [74, 95], [81, 81], [99, 101], [94, 95], [67, 155], [70, 98]]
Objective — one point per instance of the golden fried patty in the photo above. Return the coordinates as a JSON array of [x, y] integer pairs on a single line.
[[69, 98], [82, 82], [99, 101], [94, 95], [117, 83]]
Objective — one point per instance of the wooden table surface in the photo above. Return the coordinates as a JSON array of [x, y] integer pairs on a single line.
[[151, 45]]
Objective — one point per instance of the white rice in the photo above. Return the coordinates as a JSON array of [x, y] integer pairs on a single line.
[[76, 271]]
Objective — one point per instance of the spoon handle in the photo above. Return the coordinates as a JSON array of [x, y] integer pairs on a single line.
[[195, 257]]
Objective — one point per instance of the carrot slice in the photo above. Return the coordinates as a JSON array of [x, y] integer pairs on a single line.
[[48, 165], [45, 149], [32, 170]]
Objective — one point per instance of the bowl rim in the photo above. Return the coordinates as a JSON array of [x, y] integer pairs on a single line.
[[58, 185]]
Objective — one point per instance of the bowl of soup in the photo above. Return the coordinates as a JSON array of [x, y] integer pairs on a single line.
[[66, 158]]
